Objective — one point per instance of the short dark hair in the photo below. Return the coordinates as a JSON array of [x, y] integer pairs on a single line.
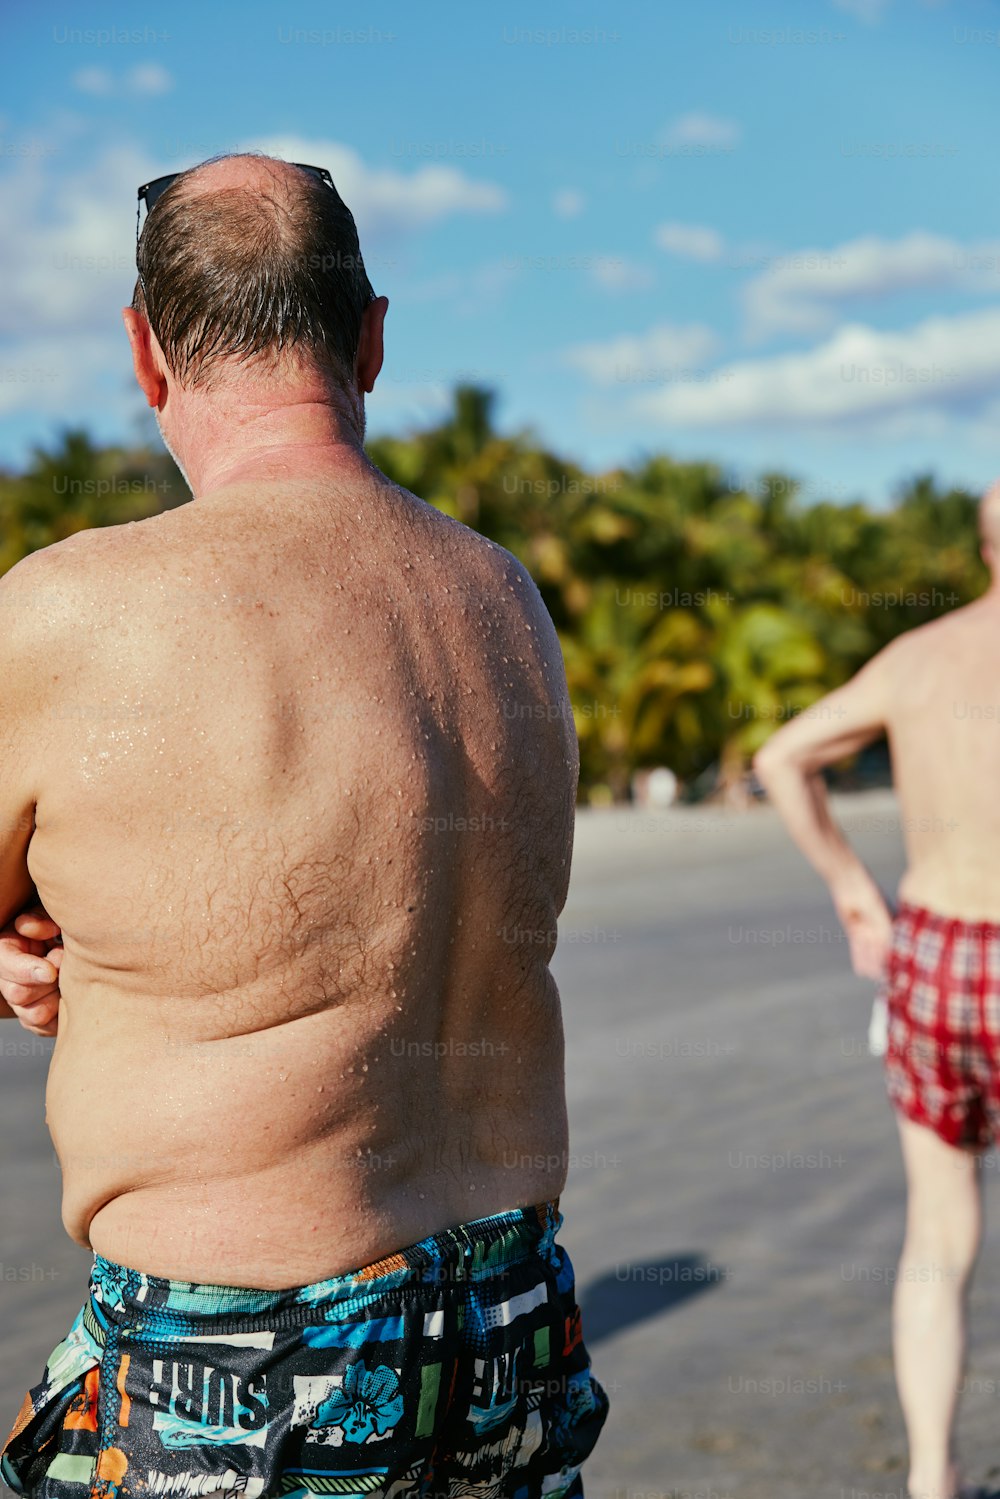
[[242, 272]]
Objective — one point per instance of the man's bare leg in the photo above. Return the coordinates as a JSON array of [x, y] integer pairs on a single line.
[[943, 1229]]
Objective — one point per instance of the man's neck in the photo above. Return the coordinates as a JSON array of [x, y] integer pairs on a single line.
[[282, 462], [219, 443]]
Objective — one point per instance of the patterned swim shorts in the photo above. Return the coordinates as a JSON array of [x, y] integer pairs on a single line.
[[942, 989], [455, 1367]]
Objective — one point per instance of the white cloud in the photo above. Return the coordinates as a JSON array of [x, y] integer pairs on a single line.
[[692, 241], [567, 203], [803, 292], [615, 273], [702, 130], [149, 78], [861, 376], [385, 202], [643, 356], [868, 11], [97, 81], [71, 265]]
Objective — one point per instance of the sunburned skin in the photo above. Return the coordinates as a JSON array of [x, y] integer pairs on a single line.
[[313, 740]]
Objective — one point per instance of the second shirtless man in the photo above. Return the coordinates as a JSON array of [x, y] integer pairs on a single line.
[[935, 692], [292, 767]]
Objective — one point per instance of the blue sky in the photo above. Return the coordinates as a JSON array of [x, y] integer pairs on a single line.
[[762, 236]]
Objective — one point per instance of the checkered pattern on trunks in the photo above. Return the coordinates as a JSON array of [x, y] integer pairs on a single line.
[[942, 989]]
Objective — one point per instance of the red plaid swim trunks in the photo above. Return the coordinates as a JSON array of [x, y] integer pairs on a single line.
[[942, 990]]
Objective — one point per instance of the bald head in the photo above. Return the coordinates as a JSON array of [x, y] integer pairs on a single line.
[[989, 524], [253, 172], [248, 258]]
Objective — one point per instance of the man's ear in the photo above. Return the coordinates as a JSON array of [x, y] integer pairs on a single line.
[[146, 358], [371, 350]]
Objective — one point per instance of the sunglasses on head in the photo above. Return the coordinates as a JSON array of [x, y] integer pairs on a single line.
[[150, 193]]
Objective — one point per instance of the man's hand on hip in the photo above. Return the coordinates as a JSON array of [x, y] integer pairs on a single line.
[[867, 921], [29, 971]]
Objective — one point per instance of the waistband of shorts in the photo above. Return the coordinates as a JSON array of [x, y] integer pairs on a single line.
[[908, 911], [472, 1251]]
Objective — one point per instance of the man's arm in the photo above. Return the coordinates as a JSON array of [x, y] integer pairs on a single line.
[[789, 767]]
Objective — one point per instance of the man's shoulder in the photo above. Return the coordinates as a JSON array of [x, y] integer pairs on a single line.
[[70, 556], [936, 636], [45, 595], [492, 564], [36, 591], [481, 572], [918, 665], [41, 623]]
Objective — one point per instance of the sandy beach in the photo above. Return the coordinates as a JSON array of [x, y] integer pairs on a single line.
[[735, 1197]]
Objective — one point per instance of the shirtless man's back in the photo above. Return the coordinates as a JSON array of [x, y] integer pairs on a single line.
[[944, 735], [302, 773], [935, 693], [310, 944]]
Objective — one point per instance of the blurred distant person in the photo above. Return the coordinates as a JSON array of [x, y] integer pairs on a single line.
[[935, 692], [307, 1089]]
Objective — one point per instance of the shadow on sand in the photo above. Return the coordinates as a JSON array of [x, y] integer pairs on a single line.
[[632, 1293]]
